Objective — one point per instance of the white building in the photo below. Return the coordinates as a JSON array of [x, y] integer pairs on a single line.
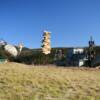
[[78, 50], [76, 57]]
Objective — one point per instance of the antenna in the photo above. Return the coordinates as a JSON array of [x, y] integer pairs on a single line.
[[91, 38]]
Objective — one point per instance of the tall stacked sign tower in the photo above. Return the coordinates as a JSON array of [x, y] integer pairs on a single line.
[[46, 43]]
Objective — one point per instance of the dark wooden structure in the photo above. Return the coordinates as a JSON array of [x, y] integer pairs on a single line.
[[91, 52]]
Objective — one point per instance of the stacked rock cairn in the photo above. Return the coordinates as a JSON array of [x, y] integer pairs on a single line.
[[46, 43]]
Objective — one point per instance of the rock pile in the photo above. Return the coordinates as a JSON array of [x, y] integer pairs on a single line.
[[46, 44]]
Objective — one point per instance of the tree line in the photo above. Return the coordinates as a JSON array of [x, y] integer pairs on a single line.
[[35, 56]]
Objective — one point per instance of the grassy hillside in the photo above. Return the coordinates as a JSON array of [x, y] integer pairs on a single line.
[[22, 82]]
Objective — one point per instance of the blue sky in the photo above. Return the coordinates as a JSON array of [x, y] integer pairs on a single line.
[[71, 22]]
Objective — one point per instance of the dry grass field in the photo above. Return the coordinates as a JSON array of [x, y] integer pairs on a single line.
[[23, 82]]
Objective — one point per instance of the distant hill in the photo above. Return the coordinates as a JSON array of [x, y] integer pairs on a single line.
[[35, 56]]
